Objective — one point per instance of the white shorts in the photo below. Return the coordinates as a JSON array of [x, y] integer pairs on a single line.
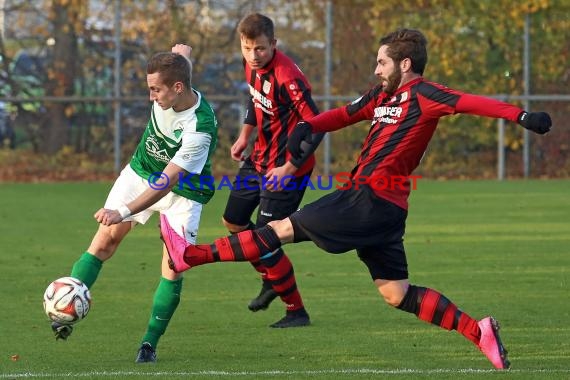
[[183, 214]]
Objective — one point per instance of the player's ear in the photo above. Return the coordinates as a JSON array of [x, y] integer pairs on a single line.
[[406, 65], [178, 87]]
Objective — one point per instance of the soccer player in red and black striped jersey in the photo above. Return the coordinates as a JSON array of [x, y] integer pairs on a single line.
[[369, 213], [280, 96]]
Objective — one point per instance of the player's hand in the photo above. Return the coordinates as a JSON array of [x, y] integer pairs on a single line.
[[538, 122], [108, 217], [299, 138], [279, 177], [236, 151], [182, 49]]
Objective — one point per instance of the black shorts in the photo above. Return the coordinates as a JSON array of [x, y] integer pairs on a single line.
[[248, 192], [357, 219]]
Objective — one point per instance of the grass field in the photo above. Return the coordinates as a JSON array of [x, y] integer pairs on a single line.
[[500, 248]]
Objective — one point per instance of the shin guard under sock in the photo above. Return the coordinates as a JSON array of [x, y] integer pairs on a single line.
[[257, 265], [87, 269], [433, 307], [165, 301], [243, 246], [281, 275]]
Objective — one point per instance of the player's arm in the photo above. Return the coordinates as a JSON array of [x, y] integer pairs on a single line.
[[249, 125], [297, 95], [153, 194], [305, 106], [190, 158], [183, 50], [538, 122], [338, 118], [360, 109], [311, 144], [172, 172]]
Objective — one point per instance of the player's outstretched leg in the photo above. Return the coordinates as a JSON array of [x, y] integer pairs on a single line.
[[243, 246], [433, 307]]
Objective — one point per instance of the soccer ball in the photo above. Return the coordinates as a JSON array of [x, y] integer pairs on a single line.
[[67, 300]]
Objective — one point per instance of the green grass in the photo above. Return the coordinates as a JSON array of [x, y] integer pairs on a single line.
[[500, 248]]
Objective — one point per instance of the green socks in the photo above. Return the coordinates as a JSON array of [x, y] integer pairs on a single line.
[[87, 269], [165, 302]]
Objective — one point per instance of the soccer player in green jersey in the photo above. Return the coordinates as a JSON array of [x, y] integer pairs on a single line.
[[164, 175]]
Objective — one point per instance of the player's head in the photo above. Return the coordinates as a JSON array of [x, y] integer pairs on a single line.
[[257, 39], [401, 56], [168, 76]]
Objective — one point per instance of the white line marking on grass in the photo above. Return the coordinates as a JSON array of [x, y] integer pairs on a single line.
[[355, 371]]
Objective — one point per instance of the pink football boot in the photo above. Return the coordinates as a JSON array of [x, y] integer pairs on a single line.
[[490, 343], [175, 246]]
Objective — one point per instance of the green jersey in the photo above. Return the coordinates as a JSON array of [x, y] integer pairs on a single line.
[[186, 138]]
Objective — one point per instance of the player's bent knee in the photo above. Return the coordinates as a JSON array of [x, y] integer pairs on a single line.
[[391, 298], [284, 229], [226, 223], [392, 292], [107, 239], [392, 301], [104, 244], [233, 228]]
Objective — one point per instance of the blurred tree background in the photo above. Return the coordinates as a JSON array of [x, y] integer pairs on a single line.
[[57, 75]]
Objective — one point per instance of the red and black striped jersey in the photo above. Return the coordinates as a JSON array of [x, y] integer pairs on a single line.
[[281, 97], [402, 126]]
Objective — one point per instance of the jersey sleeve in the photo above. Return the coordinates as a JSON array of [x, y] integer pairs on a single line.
[[484, 106], [193, 153], [437, 100], [338, 118], [250, 117], [301, 100]]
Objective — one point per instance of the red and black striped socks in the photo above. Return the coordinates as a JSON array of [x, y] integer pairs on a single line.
[[257, 265], [281, 276], [433, 307], [253, 246], [244, 246]]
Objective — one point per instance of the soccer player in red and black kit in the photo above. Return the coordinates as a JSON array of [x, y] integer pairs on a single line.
[[369, 215], [280, 98]]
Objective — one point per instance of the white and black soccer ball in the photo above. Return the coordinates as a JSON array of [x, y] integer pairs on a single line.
[[67, 300]]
